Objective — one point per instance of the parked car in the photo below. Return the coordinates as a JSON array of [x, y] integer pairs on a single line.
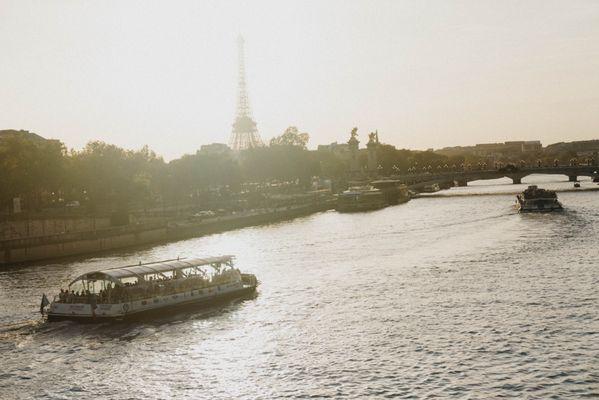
[[204, 214]]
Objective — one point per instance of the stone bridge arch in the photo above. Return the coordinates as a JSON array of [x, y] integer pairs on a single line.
[[461, 178]]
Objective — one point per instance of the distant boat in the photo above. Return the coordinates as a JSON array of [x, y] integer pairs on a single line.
[[361, 198], [535, 199], [135, 290], [394, 191]]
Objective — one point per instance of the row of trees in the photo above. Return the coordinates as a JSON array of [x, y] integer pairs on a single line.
[[42, 172]]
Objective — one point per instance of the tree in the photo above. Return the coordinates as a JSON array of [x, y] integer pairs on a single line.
[[30, 168], [115, 177], [291, 137]]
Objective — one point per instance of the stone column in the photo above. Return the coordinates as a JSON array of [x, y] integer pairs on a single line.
[[354, 161], [372, 146]]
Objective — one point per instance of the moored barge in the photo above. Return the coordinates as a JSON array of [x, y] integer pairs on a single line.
[[136, 290], [360, 198]]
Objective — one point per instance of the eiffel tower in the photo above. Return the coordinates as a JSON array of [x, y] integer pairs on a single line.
[[244, 134]]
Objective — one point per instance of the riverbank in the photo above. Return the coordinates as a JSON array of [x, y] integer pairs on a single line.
[[47, 247]]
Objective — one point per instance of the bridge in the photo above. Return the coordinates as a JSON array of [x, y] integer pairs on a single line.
[[461, 178]]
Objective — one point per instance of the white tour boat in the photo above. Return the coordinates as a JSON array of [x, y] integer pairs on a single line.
[[135, 290]]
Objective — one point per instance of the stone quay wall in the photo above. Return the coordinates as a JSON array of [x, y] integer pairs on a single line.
[[15, 251], [39, 227]]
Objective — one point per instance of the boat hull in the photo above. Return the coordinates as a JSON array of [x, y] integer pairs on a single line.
[[539, 208], [186, 303], [360, 199], [349, 208], [536, 210]]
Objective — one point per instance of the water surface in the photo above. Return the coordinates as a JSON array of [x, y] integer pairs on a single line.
[[455, 297]]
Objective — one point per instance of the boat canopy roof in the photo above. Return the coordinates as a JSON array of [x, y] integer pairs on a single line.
[[139, 270]]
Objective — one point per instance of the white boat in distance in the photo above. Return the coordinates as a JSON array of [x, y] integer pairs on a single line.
[[135, 290]]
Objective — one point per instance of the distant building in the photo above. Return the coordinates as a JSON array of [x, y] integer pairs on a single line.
[[488, 149], [455, 150], [581, 148], [339, 149], [214, 148], [532, 146], [510, 148], [8, 133]]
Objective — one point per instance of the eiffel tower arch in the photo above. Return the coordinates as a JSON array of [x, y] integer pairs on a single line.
[[245, 132]]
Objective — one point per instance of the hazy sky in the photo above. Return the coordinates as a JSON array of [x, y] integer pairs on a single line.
[[424, 73]]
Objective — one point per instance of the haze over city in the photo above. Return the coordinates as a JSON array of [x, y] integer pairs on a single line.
[[425, 74], [225, 199]]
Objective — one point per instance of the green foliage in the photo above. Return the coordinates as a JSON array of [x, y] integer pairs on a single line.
[[111, 175], [286, 159], [291, 137], [284, 163], [30, 166], [106, 177], [196, 172]]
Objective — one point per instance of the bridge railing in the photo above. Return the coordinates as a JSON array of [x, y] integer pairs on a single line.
[[589, 170]]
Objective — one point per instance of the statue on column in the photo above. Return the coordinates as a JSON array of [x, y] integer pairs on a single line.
[[373, 137], [354, 163], [372, 145]]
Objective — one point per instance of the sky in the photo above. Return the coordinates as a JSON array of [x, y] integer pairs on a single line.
[[425, 74]]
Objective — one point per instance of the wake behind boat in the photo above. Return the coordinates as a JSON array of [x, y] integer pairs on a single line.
[[134, 290]]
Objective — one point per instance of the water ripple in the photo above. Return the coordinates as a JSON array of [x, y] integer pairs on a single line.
[[454, 297]]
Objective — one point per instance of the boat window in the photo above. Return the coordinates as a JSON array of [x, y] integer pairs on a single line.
[[130, 281], [92, 285], [153, 277], [192, 271], [77, 286], [169, 274]]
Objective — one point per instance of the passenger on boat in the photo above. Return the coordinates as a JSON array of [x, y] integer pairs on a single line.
[[139, 290]]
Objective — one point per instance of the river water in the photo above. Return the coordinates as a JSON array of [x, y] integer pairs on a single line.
[[450, 296]]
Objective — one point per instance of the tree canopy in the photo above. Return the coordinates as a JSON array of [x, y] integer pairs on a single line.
[[101, 175], [291, 137]]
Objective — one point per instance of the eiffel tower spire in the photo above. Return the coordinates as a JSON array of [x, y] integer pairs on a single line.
[[244, 134]]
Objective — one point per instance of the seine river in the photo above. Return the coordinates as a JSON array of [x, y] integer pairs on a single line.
[[450, 296]]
